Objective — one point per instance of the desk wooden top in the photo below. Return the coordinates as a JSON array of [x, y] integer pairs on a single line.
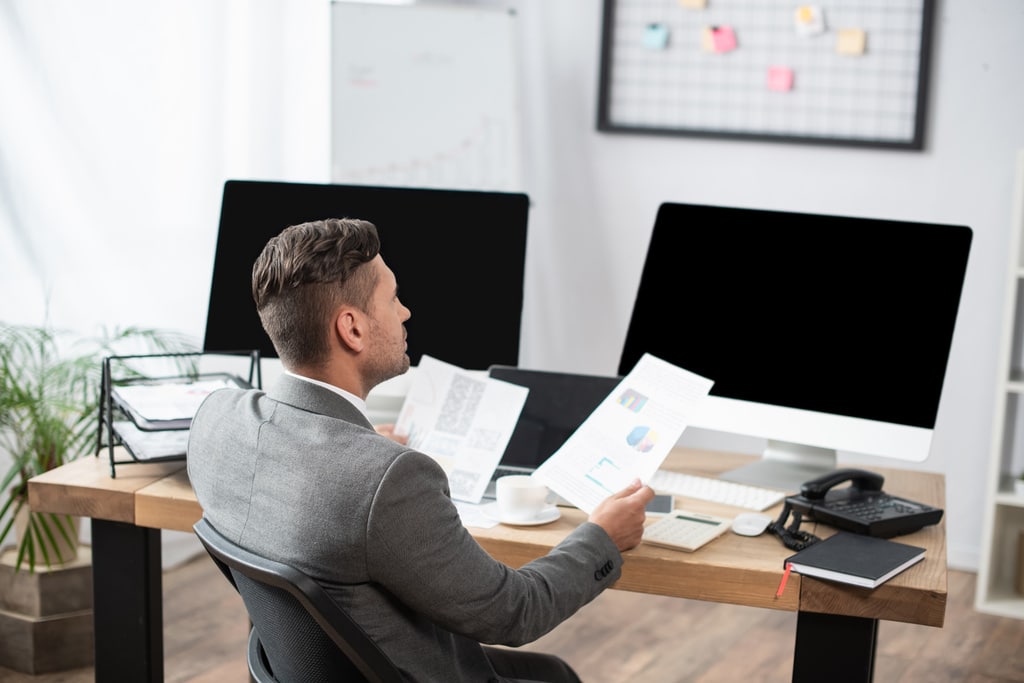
[[731, 569]]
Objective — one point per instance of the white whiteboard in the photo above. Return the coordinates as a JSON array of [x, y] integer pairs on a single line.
[[425, 96]]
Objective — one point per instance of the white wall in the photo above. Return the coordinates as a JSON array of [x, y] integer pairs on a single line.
[[127, 117], [595, 197]]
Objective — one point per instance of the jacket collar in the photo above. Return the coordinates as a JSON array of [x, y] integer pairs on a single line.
[[316, 399]]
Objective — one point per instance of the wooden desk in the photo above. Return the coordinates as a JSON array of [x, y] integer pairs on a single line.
[[836, 624]]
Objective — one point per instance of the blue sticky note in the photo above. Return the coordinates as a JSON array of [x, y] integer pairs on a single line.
[[655, 36]]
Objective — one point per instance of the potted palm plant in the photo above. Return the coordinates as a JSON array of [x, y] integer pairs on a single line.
[[49, 402]]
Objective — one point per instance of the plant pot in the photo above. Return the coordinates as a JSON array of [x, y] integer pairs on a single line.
[[46, 617], [60, 552], [1018, 487]]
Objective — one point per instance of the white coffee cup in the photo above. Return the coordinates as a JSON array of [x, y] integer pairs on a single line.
[[521, 498]]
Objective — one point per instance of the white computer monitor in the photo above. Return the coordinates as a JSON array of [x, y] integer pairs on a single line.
[[821, 333]]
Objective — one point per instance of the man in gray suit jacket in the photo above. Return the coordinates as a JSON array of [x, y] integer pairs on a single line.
[[299, 474]]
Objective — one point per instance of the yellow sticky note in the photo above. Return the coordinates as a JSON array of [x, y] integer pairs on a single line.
[[809, 20], [851, 41]]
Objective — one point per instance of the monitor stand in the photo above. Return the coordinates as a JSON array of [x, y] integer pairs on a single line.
[[784, 466]]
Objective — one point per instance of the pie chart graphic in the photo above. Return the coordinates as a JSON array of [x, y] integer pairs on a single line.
[[642, 438]]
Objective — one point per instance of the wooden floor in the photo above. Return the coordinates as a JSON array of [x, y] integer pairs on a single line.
[[622, 637]]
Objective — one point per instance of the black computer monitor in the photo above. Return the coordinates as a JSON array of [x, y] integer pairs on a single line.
[[556, 406], [459, 257], [821, 333]]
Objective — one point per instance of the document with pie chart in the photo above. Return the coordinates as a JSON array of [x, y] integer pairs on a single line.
[[627, 436]]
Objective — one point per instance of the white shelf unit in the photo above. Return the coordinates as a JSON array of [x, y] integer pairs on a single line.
[[1003, 530]]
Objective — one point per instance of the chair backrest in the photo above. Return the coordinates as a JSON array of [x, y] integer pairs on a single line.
[[305, 635]]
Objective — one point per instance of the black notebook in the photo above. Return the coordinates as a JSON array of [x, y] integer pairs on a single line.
[[855, 559]]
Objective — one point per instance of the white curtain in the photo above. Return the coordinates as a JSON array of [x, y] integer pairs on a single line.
[[119, 123], [120, 120]]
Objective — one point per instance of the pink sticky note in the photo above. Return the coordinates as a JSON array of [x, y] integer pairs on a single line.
[[780, 78], [719, 39]]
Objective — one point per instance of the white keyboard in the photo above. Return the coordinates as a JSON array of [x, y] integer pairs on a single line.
[[715, 490]]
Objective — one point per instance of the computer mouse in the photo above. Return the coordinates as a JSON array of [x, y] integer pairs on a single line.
[[750, 523]]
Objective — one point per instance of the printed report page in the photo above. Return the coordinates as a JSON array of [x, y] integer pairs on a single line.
[[627, 436]]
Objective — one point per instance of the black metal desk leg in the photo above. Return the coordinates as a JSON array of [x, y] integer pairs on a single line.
[[834, 648], [127, 603]]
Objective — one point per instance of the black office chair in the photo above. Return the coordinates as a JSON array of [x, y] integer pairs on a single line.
[[299, 633]]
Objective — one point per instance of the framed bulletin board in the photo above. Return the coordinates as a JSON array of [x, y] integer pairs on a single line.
[[840, 72]]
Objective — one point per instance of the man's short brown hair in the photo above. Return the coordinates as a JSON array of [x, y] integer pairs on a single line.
[[304, 274]]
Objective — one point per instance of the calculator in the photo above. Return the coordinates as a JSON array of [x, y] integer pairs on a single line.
[[687, 531]]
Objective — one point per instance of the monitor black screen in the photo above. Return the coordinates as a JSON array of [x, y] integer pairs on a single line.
[[459, 257], [831, 332]]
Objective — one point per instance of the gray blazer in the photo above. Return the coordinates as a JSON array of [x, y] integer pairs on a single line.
[[299, 475]]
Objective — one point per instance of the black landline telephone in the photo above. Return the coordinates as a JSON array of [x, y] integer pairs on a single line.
[[862, 507]]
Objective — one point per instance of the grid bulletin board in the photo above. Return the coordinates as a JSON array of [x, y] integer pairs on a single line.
[[841, 72]]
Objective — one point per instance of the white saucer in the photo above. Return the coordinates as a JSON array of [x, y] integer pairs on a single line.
[[546, 516]]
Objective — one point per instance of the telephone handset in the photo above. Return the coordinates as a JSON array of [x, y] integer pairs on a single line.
[[862, 507], [861, 480]]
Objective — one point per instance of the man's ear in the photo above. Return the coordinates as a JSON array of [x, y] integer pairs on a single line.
[[350, 326]]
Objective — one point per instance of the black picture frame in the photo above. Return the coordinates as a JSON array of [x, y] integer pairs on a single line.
[[623, 18]]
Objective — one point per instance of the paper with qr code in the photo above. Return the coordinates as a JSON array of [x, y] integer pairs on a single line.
[[462, 419]]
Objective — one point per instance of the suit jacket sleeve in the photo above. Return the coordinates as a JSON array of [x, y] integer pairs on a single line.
[[419, 550]]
